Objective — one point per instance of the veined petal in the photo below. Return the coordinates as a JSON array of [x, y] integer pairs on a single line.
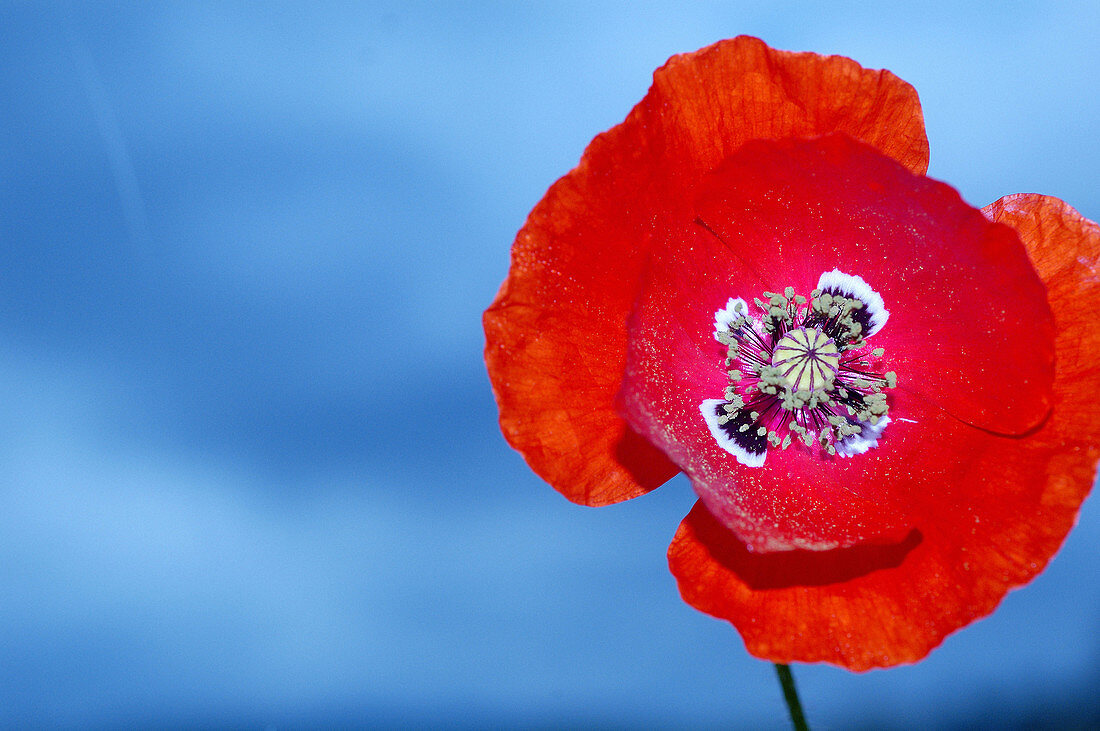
[[1062, 456]]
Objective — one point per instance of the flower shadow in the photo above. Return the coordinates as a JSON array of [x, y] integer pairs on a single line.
[[785, 569]]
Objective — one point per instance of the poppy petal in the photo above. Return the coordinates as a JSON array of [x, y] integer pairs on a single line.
[[556, 332], [996, 529]]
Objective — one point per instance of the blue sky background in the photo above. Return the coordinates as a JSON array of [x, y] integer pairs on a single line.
[[249, 465]]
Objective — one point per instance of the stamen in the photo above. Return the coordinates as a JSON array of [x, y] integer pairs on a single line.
[[802, 367]]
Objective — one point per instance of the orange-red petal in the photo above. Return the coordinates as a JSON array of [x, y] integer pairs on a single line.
[[556, 332], [999, 525]]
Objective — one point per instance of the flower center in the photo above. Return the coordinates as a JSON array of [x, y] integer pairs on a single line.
[[801, 372], [806, 358]]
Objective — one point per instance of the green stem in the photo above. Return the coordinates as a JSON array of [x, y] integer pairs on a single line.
[[790, 694]]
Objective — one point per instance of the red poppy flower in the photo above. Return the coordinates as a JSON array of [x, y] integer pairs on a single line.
[[883, 397]]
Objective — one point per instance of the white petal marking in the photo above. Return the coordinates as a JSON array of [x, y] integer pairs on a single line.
[[724, 318], [853, 284], [859, 443], [709, 410]]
